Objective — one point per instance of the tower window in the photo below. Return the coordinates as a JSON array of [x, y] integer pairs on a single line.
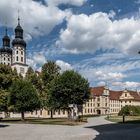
[[21, 70], [21, 52], [8, 59], [16, 52], [4, 58], [17, 58], [21, 59]]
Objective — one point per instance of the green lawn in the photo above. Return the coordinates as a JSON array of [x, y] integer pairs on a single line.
[[58, 121], [128, 119]]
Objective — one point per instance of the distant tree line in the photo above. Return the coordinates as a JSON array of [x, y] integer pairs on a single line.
[[49, 89]]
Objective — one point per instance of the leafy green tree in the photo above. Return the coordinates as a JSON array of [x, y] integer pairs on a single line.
[[124, 111], [15, 75], [32, 77], [3, 101], [50, 71], [68, 88], [129, 110], [5, 76], [23, 97], [36, 80]]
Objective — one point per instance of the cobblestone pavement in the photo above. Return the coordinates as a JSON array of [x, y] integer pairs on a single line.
[[96, 129]]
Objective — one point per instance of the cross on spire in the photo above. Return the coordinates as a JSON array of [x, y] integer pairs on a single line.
[[18, 17]]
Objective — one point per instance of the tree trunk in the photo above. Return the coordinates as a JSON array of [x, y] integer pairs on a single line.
[[22, 116], [51, 114]]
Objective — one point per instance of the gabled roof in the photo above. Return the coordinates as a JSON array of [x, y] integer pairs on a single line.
[[135, 94]]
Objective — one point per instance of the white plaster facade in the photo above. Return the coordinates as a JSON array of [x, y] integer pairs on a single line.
[[15, 55]]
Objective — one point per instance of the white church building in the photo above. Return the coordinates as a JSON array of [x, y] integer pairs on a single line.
[[15, 55]]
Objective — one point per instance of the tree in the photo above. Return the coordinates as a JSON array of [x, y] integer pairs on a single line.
[[49, 72], [23, 97], [35, 79], [3, 101], [68, 88], [6, 76]]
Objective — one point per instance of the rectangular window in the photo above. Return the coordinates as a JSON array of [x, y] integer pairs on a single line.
[[21, 59], [17, 58], [40, 112], [63, 112], [53, 112], [48, 112], [58, 112], [85, 111], [21, 70], [36, 112]]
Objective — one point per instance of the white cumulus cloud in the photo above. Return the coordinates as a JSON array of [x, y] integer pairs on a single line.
[[64, 65], [97, 31], [36, 18], [36, 60], [71, 2]]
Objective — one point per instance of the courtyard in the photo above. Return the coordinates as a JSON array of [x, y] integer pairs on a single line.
[[97, 128]]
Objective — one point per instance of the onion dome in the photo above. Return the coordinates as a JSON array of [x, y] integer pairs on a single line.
[[19, 30], [19, 36], [6, 44], [19, 41], [6, 40], [6, 50]]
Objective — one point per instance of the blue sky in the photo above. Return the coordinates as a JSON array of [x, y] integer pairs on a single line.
[[98, 38]]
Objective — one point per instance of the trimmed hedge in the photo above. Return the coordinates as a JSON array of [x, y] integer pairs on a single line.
[[129, 110]]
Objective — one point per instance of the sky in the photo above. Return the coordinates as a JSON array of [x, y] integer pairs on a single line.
[[98, 38]]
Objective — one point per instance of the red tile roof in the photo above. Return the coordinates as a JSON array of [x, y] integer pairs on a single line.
[[97, 91], [135, 94], [115, 95]]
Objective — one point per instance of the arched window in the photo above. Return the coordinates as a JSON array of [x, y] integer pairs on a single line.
[[17, 58], [21, 59]]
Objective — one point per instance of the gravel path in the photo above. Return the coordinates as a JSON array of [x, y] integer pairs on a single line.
[[96, 129], [45, 132]]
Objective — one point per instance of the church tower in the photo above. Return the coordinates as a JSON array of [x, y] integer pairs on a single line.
[[6, 51], [19, 51]]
